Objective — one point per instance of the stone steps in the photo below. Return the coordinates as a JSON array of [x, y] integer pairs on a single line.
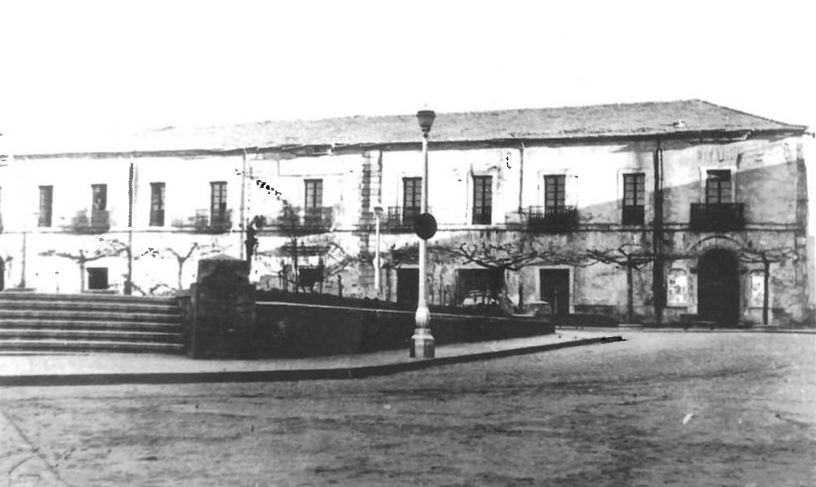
[[63, 323], [77, 346], [83, 334], [122, 307], [34, 323]]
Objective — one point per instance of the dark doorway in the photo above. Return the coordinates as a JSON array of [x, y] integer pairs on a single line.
[[718, 289], [97, 278], [408, 286], [475, 286], [2, 275], [555, 289]]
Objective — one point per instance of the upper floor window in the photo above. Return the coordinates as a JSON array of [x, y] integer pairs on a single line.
[[555, 194], [46, 205], [634, 198], [482, 200], [411, 199], [314, 193], [218, 201], [718, 187], [100, 196], [157, 204]]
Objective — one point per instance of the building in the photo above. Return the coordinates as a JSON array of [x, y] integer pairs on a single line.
[[709, 203]]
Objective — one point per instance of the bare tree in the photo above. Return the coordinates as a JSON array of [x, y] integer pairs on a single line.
[[750, 255], [183, 257], [629, 257], [109, 248], [513, 255]]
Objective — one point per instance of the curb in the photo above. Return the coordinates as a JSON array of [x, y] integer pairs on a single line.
[[789, 331], [360, 372]]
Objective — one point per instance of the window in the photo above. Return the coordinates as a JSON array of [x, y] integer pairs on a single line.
[[218, 201], [314, 193], [411, 199], [100, 197], [97, 278], [479, 286], [555, 195], [718, 187], [634, 198], [156, 204], [46, 204], [482, 200]]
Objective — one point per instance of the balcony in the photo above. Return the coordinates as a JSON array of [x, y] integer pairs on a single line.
[[156, 218], [305, 220], [99, 222], [203, 222], [633, 215], [717, 217], [400, 218], [482, 215], [557, 219]]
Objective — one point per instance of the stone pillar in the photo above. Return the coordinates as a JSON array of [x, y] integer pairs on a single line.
[[223, 310]]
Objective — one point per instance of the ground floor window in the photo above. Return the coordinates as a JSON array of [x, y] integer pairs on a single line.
[[97, 278], [309, 276], [479, 286]]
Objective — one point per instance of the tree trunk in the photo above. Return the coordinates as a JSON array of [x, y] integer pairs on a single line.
[[521, 294], [82, 276], [630, 294], [388, 284], [765, 287], [180, 271]]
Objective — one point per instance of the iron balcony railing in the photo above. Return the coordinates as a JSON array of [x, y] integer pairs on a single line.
[[318, 217], [546, 219], [99, 222], [294, 218], [482, 215], [633, 215], [204, 222], [717, 217], [399, 217], [156, 218]]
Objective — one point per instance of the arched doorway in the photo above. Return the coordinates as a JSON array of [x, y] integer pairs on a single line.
[[718, 297]]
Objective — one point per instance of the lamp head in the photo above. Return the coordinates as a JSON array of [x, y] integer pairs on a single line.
[[426, 120]]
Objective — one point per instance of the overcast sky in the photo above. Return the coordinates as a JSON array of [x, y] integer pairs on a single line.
[[74, 64]]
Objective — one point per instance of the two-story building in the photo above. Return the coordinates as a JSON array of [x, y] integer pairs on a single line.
[[709, 203]]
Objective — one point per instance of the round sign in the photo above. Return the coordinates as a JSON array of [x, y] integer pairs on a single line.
[[425, 226]]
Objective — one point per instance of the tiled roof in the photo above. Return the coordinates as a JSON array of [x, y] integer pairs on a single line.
[[597, 121]]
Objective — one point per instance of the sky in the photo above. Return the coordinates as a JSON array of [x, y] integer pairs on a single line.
[[85, 65]]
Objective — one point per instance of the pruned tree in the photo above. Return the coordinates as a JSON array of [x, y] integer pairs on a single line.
[[108, 248], [629, 257], [513, 255], [332, 259], [182, 257], [749, 254]]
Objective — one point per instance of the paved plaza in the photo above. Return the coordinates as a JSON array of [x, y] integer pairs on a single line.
[[658, 409]]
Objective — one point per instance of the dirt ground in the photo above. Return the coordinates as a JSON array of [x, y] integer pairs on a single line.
[[691, 409]]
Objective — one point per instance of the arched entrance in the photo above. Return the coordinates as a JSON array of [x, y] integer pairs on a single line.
[[718, 297]]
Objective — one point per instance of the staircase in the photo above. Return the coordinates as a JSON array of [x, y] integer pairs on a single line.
[[48, 323]]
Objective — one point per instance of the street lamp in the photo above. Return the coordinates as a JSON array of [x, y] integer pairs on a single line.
[[423, 340], [378, 210]]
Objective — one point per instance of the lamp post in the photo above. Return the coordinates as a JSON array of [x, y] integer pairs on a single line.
[[423, 340], [377, 264]]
